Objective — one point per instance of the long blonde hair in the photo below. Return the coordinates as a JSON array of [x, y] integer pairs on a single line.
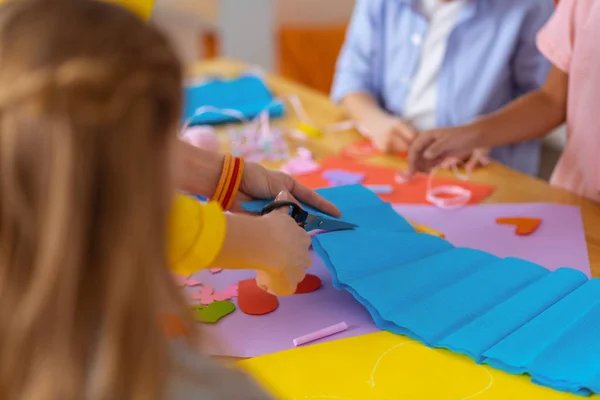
[[90, 98]]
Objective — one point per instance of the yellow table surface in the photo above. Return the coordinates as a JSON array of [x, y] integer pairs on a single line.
[[382, 365]]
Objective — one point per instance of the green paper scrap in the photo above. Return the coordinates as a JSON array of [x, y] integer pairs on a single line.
[[213, 312]]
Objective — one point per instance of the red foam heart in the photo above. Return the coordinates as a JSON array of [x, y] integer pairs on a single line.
[[310, 283], [252, 300]]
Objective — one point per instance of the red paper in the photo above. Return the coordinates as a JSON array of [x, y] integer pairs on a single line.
[[412, 192], [252, 300], [310, 283]]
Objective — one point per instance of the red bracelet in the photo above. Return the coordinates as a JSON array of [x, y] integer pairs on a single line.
[[234, 183]]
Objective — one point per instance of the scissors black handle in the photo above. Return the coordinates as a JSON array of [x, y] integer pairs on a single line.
[[295, 212]]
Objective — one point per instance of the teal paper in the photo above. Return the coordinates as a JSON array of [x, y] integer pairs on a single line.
[[247, 95]]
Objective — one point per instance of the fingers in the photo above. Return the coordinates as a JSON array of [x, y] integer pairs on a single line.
[[399, 144], [478, 158], [416, 160], [405, 130], [310, 197]]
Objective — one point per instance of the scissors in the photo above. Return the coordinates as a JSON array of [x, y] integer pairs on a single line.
[[306, 220]]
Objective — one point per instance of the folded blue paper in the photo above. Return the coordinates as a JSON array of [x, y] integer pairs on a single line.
[[509, 313], [247, 95]]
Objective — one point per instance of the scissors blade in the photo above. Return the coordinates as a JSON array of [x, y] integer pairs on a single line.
[[314, 222]]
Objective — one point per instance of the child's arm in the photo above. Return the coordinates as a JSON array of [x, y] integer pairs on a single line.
[[198, 171], [201, 236], [388, 132], [354, 85], [529, 117]]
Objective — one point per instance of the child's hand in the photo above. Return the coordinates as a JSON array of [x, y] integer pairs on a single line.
[[261, 183], [288, 252], [478, 158], [390, 134], [431, 148]]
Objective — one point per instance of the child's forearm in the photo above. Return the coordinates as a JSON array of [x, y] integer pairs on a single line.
[[245, 244], [196, 170], [362, 107], [531, 117]]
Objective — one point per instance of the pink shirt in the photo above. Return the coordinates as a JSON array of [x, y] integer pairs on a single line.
[[570, 40]]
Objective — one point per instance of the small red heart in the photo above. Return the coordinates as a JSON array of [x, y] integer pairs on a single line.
[[524, 226], [310, 283], [252, 300]]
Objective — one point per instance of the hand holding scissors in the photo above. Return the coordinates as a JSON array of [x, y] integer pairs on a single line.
[[306, 220]]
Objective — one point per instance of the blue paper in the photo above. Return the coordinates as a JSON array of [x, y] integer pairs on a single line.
[[507, 312], [358, 205], [499, 322], [516, 352], [247, 94]]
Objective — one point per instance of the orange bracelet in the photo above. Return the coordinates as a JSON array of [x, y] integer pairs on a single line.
[[228, 201], [223, 181]]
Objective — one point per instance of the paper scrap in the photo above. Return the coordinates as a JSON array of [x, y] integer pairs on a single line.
[[524, 226], [229, 292], [338, 177], [309, 284], [380, 189], [302, 164], [215, 270], [212, 313], [204, 295], [252, 300]]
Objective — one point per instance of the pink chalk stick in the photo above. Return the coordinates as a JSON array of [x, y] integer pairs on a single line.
[[311, 337]]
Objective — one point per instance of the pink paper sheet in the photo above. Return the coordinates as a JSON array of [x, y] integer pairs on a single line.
[[558, 242]]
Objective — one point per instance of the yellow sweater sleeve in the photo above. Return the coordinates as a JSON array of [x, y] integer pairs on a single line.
[[196, 234], [141, 7]]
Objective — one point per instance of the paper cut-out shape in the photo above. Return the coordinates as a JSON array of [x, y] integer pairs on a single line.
[[215, 270], [380, 189], [212, 313], [309, 284], [229, 292], [412, 192], [337, 177], [524, 226], [205, 295], [252, 300], [184, 281]]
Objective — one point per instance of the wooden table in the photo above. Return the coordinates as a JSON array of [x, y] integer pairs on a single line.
[[511, 186]]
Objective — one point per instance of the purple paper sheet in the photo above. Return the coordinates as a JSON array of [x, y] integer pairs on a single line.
[[558, 242], [241, 335]]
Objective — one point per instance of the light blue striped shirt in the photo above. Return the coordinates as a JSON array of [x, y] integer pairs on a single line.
[[491, 59]]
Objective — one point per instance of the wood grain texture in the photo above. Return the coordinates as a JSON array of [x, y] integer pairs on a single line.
[[512, 186]]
